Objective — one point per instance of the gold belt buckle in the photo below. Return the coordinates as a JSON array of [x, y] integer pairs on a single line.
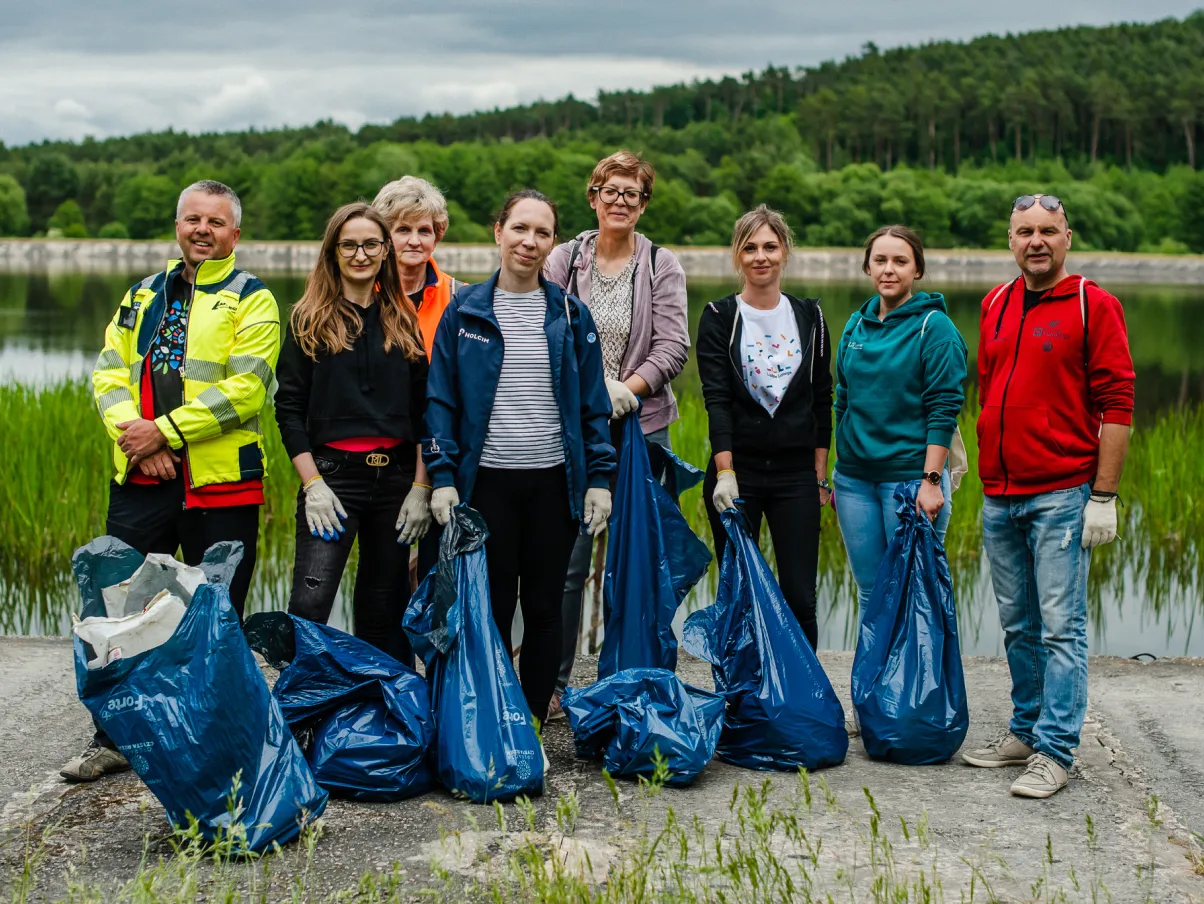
[[377, 459]]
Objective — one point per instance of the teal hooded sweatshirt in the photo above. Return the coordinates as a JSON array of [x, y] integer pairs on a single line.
[[899, 387]]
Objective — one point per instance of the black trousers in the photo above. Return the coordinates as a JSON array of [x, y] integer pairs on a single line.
[[531, 535], [152, 518], [788, 498], [372, 497]]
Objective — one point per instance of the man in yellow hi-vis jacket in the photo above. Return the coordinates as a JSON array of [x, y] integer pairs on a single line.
[[187, 366]]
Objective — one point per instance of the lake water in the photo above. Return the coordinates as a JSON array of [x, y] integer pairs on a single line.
[[51, 328]]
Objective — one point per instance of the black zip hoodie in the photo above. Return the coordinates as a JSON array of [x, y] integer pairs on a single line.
[[802, 421], [362, 391]]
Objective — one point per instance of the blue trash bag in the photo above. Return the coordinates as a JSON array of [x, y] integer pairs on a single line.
[[485, 743], [652, 558], [781, 710], [194, 712], [908, 686], [630, 717], [363, 718]]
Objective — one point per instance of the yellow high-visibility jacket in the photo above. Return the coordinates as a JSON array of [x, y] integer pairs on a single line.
[[230, 351]]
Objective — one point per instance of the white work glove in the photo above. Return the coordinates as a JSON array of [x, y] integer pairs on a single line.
[[726, 491], [322, 511], [597, 510], [622, 400], [1099, 522], [443, 500], [414, 519]]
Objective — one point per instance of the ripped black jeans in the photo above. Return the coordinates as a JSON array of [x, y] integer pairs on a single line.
[[372, 498]]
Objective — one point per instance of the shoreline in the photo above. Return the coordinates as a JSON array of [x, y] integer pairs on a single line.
[[965, 267]]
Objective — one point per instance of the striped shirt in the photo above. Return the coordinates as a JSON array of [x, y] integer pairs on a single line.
[[524, 427]]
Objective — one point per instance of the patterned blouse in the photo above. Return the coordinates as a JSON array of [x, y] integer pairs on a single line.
[[610, 300]]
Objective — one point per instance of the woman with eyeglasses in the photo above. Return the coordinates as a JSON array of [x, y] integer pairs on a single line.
[[350, 407], [516, 428], [900, 371], [636, 292]]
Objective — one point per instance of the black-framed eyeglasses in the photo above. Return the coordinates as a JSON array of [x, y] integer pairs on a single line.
[[1052, 203], [609, 195], [372, 247]]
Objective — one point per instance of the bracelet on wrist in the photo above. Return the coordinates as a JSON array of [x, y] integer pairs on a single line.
[[1104, 495]]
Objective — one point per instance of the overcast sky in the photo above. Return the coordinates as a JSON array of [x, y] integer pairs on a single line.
[[69, 69]]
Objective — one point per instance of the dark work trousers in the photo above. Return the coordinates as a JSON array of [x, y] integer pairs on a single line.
[[579, 566], [788, 498], [372, 498], [152, 518], [531, 536]]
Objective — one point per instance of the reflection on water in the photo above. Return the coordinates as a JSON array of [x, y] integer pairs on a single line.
[[1144, 595]]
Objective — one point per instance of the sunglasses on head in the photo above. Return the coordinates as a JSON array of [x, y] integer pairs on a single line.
[[1050, 202]]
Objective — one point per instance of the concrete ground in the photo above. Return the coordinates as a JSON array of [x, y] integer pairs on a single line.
[[1142, 739]]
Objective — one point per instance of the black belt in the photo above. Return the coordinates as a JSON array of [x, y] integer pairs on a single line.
[[378, 459]]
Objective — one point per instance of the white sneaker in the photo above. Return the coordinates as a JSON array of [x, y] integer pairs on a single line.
[[1043, 778], [1005, 750]]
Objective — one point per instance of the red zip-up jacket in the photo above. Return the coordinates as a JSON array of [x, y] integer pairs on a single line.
[[1048, 379]]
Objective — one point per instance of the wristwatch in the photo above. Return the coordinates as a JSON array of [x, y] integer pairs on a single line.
[[933, 477], [824, 485]]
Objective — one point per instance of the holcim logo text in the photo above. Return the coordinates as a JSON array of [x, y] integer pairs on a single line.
[[477, 337]]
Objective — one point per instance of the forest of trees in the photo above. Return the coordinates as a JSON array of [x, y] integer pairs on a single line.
[[941, 137]]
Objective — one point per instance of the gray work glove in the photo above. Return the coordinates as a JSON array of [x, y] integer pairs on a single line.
[[597, 510], [414, 519], [1099, 522], [622, 400], [726, 491], [322, 511], [443, 500]]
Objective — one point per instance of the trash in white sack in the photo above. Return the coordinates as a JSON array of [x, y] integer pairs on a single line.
[[119, 638], [159, 572]]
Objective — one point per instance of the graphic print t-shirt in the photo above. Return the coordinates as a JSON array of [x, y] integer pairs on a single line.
[[167, 351], [770, 353]]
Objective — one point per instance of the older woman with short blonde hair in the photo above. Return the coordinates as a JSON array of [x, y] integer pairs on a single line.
[[416, 212]]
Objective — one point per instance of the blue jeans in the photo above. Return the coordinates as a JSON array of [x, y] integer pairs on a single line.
[[1039, 572], [866, 512]]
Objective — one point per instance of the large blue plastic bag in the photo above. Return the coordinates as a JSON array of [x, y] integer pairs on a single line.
[[908, 684], [366, 716], [194, 712], [630, 717], [485, 743], [653, 559], [781, 710]]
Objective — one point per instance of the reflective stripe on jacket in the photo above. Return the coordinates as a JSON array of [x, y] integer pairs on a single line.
[[230, 351], [463, 380]]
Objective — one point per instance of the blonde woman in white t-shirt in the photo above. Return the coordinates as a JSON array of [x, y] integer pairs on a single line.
[[764, 358]]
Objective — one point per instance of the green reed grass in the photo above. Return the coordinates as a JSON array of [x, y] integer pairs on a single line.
[[54, 489]]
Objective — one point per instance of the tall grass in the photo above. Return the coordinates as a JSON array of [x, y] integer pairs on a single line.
[[53, 492]]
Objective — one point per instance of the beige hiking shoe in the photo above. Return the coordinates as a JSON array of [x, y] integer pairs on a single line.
[[93, 763], [1042, 778], [1005, 750]]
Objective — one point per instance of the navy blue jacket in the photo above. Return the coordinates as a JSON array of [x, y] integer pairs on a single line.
[[465, 367]]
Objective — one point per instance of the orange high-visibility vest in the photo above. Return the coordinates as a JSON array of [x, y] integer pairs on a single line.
[[435, 299]]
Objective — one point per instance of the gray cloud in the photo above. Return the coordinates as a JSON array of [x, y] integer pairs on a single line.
[[71, 69]]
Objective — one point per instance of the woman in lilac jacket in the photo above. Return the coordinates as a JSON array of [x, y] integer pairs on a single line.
[[636, 292]]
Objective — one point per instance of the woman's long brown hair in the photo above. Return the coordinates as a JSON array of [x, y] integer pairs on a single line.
[[324, 321]]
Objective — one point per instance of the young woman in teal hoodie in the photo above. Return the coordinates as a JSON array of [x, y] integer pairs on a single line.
[[900, 371]]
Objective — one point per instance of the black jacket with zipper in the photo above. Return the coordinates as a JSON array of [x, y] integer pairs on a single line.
[[738, 423], [362, 391]]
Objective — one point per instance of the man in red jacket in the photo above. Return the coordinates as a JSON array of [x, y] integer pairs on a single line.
[[1055, 381]]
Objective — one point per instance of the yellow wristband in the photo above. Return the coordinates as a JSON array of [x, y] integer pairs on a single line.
[[308, 483], [725, 471], [425, 486]]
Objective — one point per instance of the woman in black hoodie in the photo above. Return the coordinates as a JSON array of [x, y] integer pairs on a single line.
[[350, 408], [764, 361]]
